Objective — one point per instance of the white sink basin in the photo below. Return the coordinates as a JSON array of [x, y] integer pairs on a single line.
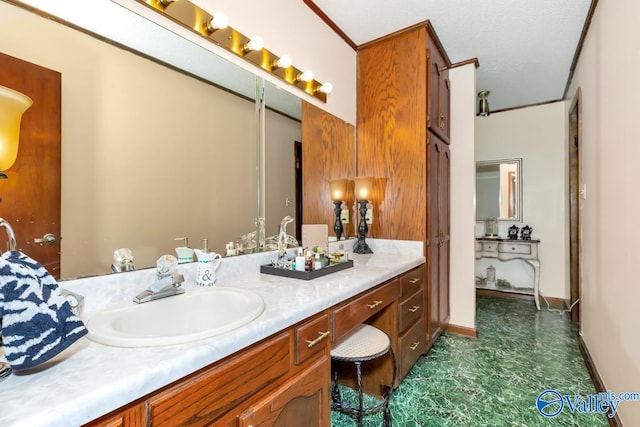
[[196, 314]]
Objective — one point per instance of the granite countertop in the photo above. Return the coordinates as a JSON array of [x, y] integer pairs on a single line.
[[89, 380]]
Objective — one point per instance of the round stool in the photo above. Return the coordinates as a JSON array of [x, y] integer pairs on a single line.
[[364, 343]]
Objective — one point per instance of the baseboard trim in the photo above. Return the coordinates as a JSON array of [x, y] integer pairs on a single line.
[[553, 301], [462, 330], [502, 294], [596, 378]]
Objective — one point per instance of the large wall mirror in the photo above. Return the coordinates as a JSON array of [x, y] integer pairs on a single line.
[[173, 142], [499, 189]]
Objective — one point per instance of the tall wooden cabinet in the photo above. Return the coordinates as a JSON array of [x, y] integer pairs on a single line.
[[402, 140]]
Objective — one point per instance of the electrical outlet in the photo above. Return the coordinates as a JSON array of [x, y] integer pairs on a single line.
[[344, 216], [368, 217]]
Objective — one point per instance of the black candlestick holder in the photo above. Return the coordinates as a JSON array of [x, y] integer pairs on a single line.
[[361, 246], [337, 227]]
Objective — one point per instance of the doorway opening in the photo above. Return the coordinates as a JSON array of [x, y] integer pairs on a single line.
[[575, 268]]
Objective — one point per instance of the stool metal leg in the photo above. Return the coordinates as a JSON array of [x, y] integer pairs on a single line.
[[386, 421], [360, 393]]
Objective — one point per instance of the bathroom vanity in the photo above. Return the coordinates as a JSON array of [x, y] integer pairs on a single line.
[[272, 369]]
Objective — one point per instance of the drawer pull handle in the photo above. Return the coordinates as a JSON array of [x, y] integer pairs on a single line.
[[414, 280], [322, 336], [374, 305], [513, 248], [414, 345], [414, 308]]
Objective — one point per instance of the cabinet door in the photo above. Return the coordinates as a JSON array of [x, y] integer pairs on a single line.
[[303, 400], [445, 237], [437, 301], [434, 154], [438, 94]]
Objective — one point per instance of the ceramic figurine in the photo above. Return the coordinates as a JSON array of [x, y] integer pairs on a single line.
[[525, 233], [513, 232]]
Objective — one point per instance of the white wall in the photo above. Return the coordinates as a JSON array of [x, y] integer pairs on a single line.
[[538, 135], [607, 74], [461, 279]]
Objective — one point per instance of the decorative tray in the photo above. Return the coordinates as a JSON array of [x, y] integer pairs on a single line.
[[306, 275]]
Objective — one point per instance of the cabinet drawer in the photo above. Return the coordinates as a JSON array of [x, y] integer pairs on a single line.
[[311, 338], [409, 311], [412, 346], [206, 396], [347, 316], [515, 248], [411, 281], [489, 247]]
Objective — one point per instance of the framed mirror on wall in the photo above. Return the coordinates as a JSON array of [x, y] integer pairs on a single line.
[[499, 189]]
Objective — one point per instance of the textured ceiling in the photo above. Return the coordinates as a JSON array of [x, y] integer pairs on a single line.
[[525, 47]]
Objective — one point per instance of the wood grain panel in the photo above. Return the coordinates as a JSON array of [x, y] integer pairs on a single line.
[[132, 417], [391, 132], [205, 397], [328, 152]]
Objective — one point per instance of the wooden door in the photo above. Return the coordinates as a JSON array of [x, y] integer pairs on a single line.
[[31, 194]]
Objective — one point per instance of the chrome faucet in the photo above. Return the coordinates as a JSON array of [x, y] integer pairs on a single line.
[[10, 235], [167, 281], [161, 288]]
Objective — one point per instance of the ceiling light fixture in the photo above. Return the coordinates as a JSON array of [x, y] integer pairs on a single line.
[[483, 104], [218, 22], [216, 30]]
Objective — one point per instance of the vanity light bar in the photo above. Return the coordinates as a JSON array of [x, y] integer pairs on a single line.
[[190, 16]]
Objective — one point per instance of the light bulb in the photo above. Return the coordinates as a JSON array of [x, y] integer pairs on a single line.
[[325, 88], [218, 22], [306, 76], [283, 62], [256, 43]]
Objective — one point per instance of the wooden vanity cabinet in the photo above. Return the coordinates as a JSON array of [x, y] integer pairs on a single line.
[[266, 385], [285, 380]]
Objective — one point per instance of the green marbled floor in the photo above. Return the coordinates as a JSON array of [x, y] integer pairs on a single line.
[[494, 380]]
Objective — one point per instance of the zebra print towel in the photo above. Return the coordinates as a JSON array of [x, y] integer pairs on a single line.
[[36, 320]]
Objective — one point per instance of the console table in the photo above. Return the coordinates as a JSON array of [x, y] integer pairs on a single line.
[[505, 250]]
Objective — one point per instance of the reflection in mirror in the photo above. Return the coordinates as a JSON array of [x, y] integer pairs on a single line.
[[155, 149], [499, 189]]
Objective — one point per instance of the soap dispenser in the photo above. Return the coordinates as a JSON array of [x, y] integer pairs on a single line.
[[208, 264], [184, 252]]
